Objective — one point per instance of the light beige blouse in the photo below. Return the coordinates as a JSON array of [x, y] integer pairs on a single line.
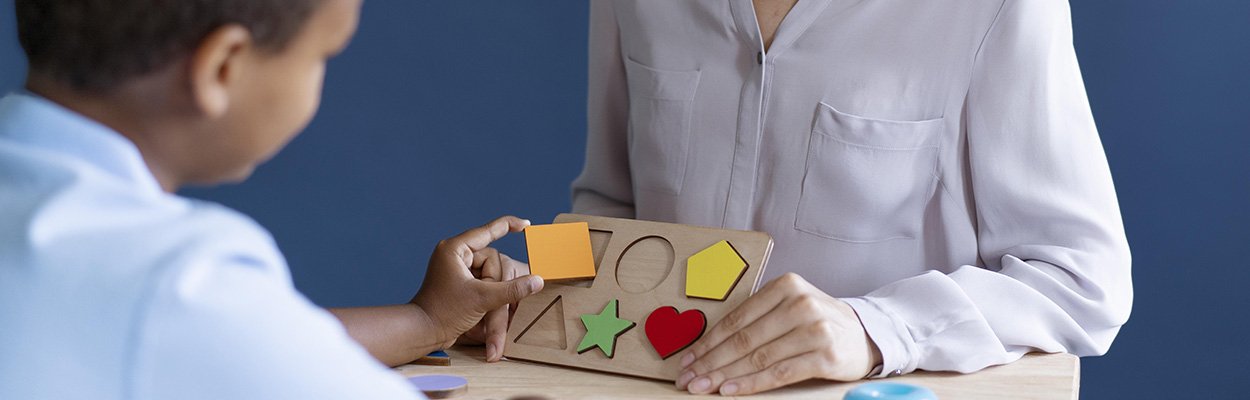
[[934, 163]]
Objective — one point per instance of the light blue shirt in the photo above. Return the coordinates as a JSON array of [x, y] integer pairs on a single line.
[[111, 288]]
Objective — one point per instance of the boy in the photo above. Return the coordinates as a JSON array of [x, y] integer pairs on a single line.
[[112, 286]]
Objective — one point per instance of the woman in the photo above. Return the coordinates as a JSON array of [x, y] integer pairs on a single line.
[[930, 172]]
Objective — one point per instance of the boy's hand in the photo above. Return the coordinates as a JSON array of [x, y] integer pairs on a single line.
[[493, 329], [455, 300]]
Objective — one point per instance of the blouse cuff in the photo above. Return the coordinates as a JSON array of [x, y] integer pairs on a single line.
[[889, 334]]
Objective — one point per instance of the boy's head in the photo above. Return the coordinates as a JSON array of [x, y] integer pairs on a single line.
[[207, 89]]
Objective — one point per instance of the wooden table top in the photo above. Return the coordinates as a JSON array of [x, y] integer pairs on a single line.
[[1036, 376]]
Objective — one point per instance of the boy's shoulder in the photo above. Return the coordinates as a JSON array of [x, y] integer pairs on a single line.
[[88, 220], [152, 292], [89, 263], [81, 216], [75, 192], [66, 221], [79, 211]]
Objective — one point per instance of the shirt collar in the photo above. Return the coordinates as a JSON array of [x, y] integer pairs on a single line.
[[35, 121]]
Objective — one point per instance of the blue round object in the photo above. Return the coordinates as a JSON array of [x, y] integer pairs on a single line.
[[889, 391]]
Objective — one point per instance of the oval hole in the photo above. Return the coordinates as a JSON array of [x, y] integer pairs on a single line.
[[644, 264]]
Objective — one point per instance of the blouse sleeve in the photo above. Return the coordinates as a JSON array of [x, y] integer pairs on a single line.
[[1056, 273]]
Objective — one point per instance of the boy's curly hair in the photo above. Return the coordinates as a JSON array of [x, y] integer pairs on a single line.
[[94, 45]]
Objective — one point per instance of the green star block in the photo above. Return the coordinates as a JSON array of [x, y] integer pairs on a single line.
[[602, 330]]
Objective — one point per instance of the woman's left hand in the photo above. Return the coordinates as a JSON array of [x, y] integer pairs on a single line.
[[788, 332]]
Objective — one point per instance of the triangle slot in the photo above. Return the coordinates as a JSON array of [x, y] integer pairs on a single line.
[[547, 329]]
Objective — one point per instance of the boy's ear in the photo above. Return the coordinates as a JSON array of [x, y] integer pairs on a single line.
[[216, 65]]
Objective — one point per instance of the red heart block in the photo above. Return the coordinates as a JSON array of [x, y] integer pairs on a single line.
[[670, 332]]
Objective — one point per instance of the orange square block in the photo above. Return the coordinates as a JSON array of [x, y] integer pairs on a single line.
[[560, 252]]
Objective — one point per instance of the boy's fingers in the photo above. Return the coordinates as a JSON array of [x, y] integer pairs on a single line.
[[498, 294], [495, 267], [520, 224], [474, 336], [482, 236], [511, 268], [489, 262], [463, 246], [496, 332]]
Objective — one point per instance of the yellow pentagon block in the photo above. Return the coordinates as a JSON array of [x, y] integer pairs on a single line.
[[712, 272]]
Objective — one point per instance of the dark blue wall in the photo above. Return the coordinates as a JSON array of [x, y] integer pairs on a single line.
[[442, 115]]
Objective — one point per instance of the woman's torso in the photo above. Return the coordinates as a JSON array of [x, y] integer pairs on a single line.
[[844, 141]]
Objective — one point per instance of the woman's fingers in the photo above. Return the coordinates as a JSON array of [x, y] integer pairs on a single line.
[[774, 324], [795, 342], [785, 372], [797, 339], [744, 315]]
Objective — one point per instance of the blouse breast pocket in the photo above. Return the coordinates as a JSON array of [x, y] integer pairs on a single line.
[[867, 180], [660, 103]]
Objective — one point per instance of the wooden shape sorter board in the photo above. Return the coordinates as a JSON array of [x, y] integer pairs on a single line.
[[642, 266]]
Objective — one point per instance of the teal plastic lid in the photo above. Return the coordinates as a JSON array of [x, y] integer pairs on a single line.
[[889, 391]]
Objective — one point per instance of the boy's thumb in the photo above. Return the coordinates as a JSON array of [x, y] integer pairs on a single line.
[[498, 294]]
